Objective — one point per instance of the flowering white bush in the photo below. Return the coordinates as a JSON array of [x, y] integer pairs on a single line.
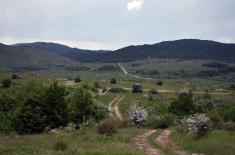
[[138, 115], [196, 124]]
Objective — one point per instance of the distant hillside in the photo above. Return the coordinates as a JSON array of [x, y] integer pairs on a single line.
[[80, 55], [179, 49], [44, 54], [30, 57]]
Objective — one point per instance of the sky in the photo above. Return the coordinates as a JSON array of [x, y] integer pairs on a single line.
[[112, 24]]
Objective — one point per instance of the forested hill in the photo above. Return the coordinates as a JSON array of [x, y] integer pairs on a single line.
[[180, 49]]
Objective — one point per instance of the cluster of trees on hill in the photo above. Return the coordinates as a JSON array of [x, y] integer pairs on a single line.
[[219, 69], [152, 73], [108, 68], [36, 108], [77, 68]]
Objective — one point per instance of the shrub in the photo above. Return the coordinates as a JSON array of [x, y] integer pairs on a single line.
[[6, 83], [107, 127], [196, 124], [215, 118], [113, 81], [137, 115], [163, 121], [183, 105], [228, 113]]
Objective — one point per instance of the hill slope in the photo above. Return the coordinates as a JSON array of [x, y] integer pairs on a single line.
[[180, 49], [50, 54], [29, 56]]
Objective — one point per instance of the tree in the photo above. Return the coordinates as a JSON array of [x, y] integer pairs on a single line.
[[6, 83], [7, 108], [7, 104], [56, 110], [82, 107], [30, 117], [183, 105]]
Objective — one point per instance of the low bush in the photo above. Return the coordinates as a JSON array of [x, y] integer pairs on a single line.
[[107, 127], [215, 119], [6, 83], [162, 122], [228, 113]]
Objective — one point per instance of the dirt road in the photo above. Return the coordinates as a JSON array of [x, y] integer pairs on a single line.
[[115, 109]]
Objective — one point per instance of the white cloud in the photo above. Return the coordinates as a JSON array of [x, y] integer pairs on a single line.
[[135, 5]]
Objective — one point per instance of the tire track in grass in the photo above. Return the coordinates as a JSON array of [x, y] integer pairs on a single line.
[[117, 111], [143, 143], [110, 108], [167, 144]]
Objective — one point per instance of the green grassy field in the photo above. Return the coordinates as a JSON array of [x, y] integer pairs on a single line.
[[86, 143], [217, 142]]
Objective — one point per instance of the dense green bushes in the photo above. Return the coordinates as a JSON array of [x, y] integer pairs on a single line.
[[30, 117], [36, 108]]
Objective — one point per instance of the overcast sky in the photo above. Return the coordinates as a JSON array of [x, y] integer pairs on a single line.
[[111, 24]]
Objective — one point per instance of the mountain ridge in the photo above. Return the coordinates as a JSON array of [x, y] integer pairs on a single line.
[[54, 54]]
